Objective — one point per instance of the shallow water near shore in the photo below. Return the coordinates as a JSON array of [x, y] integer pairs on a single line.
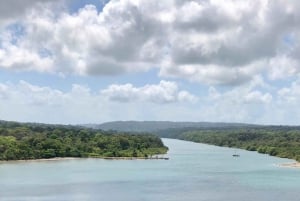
[[195, 172]]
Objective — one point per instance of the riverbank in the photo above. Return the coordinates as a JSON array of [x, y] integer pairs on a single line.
[[78, 158], [136, 158], [41, 160], [291, 165]]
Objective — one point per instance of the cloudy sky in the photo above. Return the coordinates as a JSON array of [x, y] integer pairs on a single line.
[[92, 61]]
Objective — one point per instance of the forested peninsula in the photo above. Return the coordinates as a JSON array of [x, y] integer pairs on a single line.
[[26, 141]]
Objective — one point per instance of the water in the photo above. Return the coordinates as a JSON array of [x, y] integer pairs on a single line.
[[195, 172]]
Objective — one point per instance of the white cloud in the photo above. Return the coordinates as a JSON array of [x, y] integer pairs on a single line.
[[119, 39], [240, 96], [24, 59], [283, 67], [28, 102], [242, 46], [122, 93], [3, 91], [291, 94], [164, 92], [186, 96], [27, 94], [212, 74], [15, 9], [211, 42], [248, 103], [258, 97]]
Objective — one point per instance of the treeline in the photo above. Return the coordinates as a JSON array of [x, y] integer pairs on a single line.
[[19, 141], [274, 140], [156, 126]]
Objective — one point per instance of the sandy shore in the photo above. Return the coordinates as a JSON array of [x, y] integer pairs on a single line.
[[135, 158], [291, 165], [74, 158], [40, 160]]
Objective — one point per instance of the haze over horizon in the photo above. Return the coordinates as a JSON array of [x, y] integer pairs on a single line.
[[95, 61]]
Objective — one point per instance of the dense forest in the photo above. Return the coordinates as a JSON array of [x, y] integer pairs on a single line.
[[281, 141], [35, 141], [22, 141]]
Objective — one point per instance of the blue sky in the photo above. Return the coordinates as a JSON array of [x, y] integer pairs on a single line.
[[75, 5], [93, 61]]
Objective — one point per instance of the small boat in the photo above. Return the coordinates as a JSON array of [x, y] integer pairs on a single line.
[[235, 154]]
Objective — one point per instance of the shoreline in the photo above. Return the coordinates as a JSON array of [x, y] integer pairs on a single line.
[[41, 160], [79, 158], [290, 165]]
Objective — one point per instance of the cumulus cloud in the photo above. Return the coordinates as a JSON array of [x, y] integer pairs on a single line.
[[3, 91], [241, 40], [23, 59], [24, 101], [283, 67], [211, 42], [14, 9], [164, 92], [290, 94], [117, 40], [27, 94], [255, 102], [245, 103], [240, 96], [258, 97], [211, 74]]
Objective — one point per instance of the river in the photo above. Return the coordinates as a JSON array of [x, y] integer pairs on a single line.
[[195, 172]]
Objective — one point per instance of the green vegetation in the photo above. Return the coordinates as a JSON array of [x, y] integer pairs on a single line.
[[273, 140], [35, 141], [281, 141]]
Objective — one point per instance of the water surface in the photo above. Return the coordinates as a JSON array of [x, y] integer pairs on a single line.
[[195, 172]]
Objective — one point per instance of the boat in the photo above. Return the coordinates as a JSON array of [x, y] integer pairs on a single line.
[[235, 154]]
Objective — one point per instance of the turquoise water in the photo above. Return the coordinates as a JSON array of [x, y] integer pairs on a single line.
[[195, 172]]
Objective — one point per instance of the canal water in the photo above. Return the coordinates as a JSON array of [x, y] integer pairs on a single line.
[[194, 172]]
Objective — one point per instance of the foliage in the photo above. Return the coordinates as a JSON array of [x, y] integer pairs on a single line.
[[20, 141]]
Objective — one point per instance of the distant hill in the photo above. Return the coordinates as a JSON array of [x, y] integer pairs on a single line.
[[155, 126]]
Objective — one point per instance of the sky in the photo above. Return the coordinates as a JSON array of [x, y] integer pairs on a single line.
[[94, 61]]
